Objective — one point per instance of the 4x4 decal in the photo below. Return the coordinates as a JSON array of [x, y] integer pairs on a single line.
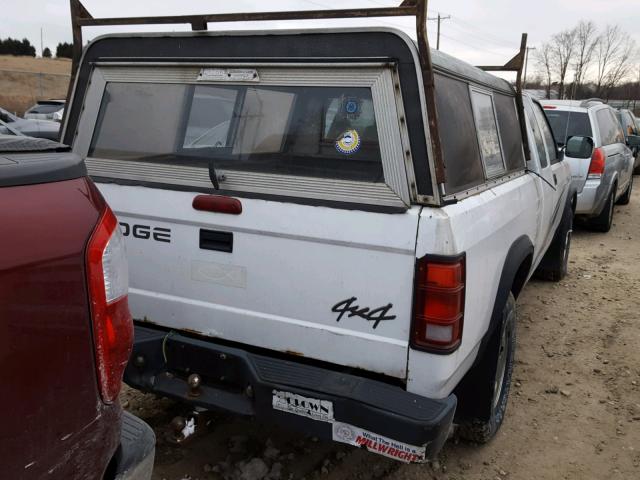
[[376, 315]]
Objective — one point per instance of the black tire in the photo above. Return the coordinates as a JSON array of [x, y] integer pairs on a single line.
[[555, 262], [626, 196], [486, 406], [602, 223]]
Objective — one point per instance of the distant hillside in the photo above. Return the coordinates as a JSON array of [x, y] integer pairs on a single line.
[[24, 80]]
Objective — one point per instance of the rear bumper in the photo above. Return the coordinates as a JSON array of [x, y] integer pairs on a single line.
[[134, 460], [592, 198], [337, 406]]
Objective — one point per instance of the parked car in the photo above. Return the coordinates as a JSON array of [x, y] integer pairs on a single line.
[[601, 162], [31, 128], [292, 255], [65, 327], [46, 110], [628, 122]]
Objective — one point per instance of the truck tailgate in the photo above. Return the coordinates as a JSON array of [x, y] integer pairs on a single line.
[[329, 284]]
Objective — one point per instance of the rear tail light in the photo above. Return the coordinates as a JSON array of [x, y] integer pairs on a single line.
[[108, 288], [596, 167], [549, 107], [438, 310]]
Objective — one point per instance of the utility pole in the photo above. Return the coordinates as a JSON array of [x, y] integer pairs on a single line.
[[526, 64], [439, 18]]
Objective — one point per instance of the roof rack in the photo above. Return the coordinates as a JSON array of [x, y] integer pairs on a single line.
[[516, 64], [588, 101], [80, 17]]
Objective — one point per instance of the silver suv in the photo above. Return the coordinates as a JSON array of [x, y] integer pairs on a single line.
[[595, 147]]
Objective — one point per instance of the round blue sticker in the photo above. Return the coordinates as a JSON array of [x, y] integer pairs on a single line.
[[351, 106]]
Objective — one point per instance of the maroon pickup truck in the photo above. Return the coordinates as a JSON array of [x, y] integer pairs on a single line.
[[65, 327]]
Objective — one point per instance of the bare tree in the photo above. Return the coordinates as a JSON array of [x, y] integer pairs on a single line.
[[621, 64], [563, 46], [613, 51], [586, 42], [544, 57]]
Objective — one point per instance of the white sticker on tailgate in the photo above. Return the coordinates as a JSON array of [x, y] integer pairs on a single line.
[[345, 433], [321, 410]]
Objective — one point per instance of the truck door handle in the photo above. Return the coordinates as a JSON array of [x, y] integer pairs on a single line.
[[215, 240], [555, 179]]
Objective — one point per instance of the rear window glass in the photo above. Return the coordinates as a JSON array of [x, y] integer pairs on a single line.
[[327, 132], [568, 124], [45, 108]]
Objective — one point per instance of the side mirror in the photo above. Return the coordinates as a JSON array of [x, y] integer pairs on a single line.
[[633, 141], [579, 147]]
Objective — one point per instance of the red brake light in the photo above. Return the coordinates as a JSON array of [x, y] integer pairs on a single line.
[[549, 107], [598, 160], [438, 310], [218, 204], [108, 289]]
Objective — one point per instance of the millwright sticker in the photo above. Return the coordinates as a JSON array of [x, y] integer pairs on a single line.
[[358, 437], [321, 410], [349, 142]]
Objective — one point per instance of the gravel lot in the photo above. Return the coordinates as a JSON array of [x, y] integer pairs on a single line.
[[574, 410]]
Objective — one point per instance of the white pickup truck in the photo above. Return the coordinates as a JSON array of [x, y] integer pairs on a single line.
[[296, 250]]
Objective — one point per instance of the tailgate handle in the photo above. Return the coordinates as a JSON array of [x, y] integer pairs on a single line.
[[214, 240]]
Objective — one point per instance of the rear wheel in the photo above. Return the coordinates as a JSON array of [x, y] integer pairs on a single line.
[[555, 263], [488, 397], [626, 197], [602, 223]]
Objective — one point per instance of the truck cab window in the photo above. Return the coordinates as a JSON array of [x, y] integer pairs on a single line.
[[537, 135], [510, 133], [547, 136]]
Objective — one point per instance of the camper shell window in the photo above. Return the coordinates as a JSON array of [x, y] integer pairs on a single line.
[[463, 167], [292, 131], [480, 133], [324, 132]]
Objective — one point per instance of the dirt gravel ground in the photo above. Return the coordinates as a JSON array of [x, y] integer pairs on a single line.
[[574, 410]]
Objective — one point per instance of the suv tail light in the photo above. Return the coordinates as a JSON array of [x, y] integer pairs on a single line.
[[596, 167], [438, 310], [108, 274]]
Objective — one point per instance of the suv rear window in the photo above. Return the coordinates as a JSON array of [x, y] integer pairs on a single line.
[[568, 124], [326, 132]]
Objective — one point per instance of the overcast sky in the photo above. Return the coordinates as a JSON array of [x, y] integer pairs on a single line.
[[480, 32]]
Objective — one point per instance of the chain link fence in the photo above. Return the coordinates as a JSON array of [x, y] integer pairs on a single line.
[[20, 89]]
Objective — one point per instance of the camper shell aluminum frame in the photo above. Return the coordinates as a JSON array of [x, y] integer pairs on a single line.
[[415, 61]]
